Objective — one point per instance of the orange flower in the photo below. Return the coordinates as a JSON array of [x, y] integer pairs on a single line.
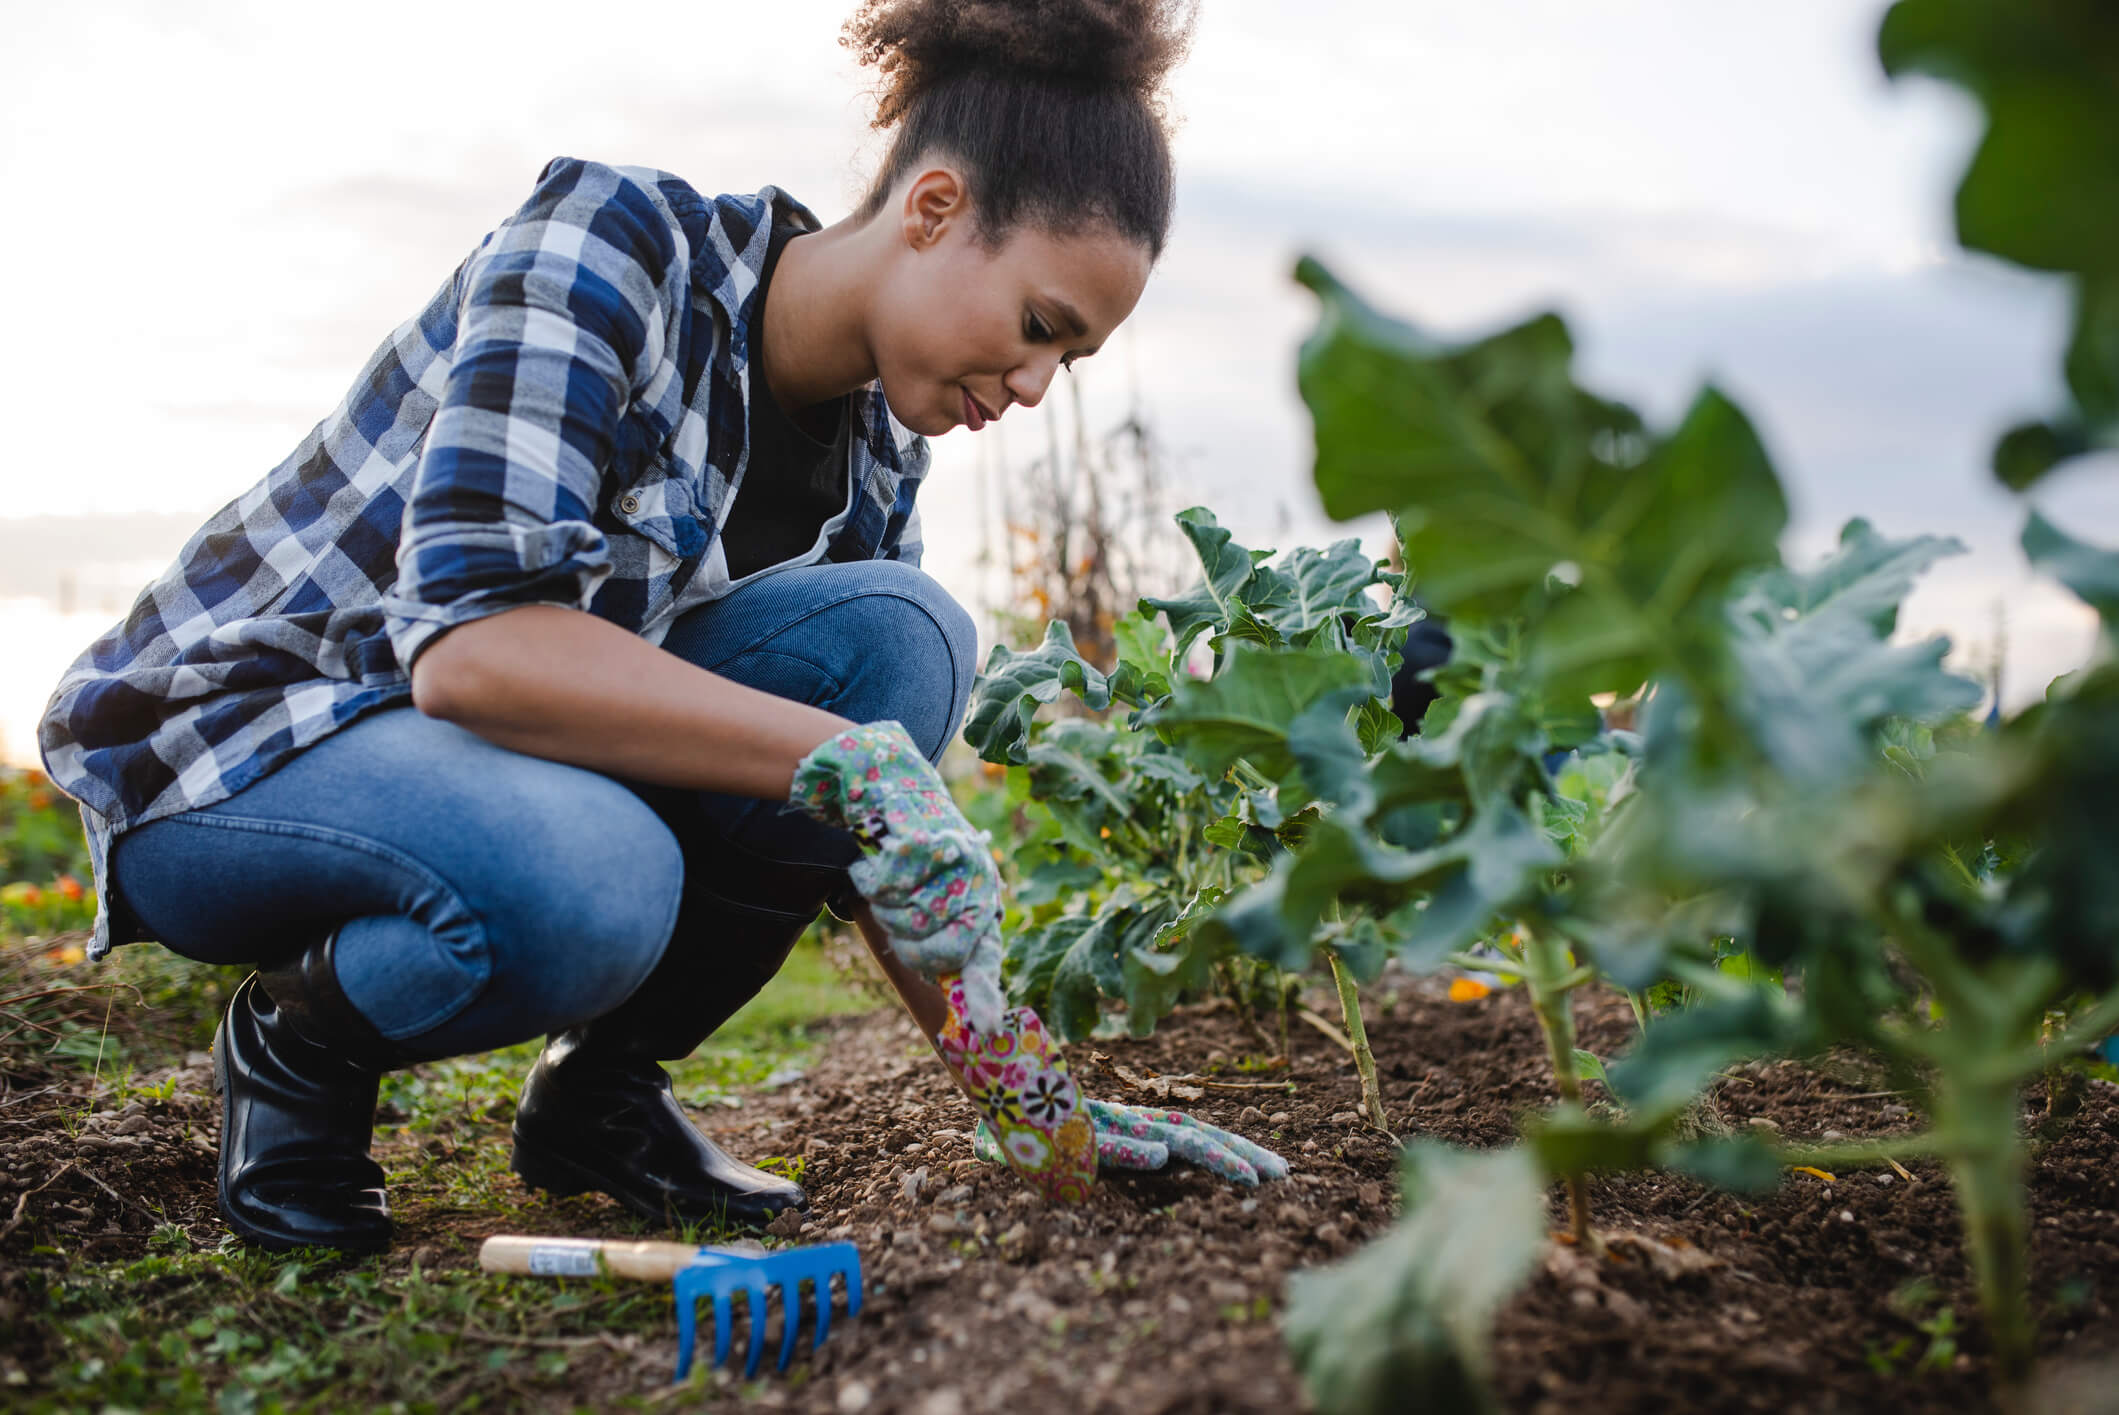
[[33, 778], [70, 888], [993, 769], [39, 800], [22, 893], [1467, 990]]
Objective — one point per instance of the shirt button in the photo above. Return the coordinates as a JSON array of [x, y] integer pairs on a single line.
[[630, 505]]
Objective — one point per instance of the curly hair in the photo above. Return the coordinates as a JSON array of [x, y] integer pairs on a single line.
[[1053, 107]]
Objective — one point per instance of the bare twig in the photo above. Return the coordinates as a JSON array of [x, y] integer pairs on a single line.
[[121, 1198], [1324, 1025], [22, 1201]]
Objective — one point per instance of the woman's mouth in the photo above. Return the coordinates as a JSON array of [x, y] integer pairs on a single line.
[[974, 416]]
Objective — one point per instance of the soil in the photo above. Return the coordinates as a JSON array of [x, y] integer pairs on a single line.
[[1161, 1296]]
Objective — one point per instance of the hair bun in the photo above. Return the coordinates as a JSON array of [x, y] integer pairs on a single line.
[[1126, 45]]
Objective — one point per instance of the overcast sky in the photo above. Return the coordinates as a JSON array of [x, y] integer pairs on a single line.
[[218, 210]]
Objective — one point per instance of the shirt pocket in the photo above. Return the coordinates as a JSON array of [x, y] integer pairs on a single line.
[[657, 499]]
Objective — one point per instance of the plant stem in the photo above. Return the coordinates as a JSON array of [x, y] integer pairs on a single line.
[[1364, 1059], [1280, 990], [1547, 978], [1987, 1167]]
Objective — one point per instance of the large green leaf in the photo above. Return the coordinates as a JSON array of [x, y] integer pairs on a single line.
[[1015, 685], [2043, 187], [1066, 968], [1407, 1323], [1314, 589], [1075, 770], [1177, 960], [1512, 484], [1227, 568], [2090, 571], [1679, 1052], [1866, 577], [1246, 710], [1816, 673], [1483, 870]]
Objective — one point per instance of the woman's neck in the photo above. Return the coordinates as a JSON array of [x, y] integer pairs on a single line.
[[816, 346]]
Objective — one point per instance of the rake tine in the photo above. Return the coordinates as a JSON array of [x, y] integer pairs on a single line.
[[853, 1287], [823, 1311], [687, 1329], [757, 1330], [790, 1317], [724, 1322]]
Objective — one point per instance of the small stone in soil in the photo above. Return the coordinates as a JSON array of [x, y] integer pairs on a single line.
[[1279, 1117], [959, 1195], [1760, 1122], [1252, 1115]]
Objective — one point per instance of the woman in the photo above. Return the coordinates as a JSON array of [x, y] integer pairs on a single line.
[[479, 717]]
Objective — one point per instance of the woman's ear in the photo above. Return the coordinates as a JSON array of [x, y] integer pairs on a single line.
[[936, 201]]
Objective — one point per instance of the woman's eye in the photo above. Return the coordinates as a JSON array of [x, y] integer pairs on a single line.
[[1038, 331]]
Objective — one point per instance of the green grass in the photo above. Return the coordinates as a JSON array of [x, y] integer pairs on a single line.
[[195, 1327]]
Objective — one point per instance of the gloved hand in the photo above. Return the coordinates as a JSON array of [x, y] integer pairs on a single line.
[[1020, 1084], [1133, 1137], [928, 874]]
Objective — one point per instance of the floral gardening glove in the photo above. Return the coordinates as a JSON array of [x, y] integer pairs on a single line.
[[1133, 1137], [1030, 1110], [927, 874]]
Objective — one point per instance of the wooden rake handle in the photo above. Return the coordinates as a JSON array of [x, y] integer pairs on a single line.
[[645, 1260]]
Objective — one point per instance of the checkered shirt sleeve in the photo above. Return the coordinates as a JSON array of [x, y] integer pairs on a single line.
[[566, 318]]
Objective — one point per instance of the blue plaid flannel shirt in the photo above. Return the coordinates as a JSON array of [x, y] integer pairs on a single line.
[[564, 423]]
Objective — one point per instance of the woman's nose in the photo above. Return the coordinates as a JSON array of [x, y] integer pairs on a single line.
[[1027, 383]]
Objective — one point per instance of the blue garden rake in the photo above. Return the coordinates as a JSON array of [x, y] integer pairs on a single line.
[[719, 1274]]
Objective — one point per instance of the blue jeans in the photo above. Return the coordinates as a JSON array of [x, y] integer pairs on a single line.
[[485, 897]]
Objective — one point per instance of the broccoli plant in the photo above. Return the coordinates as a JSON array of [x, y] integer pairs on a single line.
[[1940, 898], [1153, 822]]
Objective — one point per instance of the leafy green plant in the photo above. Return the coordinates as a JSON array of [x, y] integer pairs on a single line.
[[1146, 826], [1805, 799]]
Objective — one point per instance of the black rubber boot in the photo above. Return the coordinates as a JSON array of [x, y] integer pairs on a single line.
[[598, 1113], [297, 1069]]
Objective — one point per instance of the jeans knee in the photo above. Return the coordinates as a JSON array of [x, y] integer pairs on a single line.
[[607, 910], [924, 681]]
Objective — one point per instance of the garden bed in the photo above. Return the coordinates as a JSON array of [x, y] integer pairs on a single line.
[[1161, 1296]]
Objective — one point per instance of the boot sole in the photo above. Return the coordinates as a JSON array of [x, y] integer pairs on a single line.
[[564, 1178], [249, 1232]]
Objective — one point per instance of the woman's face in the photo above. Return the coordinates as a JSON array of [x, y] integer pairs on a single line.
[[963, 333]]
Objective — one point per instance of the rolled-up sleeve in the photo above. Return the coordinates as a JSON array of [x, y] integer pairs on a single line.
[[564, 316]]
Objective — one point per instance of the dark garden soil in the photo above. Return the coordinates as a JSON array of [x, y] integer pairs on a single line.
[[1162, 1295]]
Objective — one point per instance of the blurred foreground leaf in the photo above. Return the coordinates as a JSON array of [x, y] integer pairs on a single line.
[[1407, 1323]]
